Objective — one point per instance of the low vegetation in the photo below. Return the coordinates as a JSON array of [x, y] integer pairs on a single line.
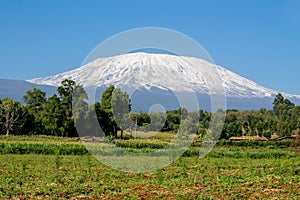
[[47, 167], [83, 177]]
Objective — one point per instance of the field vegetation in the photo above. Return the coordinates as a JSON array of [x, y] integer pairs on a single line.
[[67, 171]]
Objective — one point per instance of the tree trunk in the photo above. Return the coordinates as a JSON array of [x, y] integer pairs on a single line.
[[130, 131], [115, 132], [121, 133]]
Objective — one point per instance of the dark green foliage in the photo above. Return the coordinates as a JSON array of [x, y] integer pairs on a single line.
[[47, 149], [105, 117], [35, 99], [72, 98], [173, 120], [282, 106], [254, 143], [231, 129], [66, 113], [140, 144], [53, 116], [113, 111]]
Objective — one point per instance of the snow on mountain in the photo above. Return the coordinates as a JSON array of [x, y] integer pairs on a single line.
[[166, 72]]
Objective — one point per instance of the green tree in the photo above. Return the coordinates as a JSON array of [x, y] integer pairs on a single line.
[[65, 92], [94, 117], [13, 116], [35, 99], [173, 119], [71, 95], [260, 127], [282, 106], [121, 107], [279, 99], [233, 129], [107, 121], [53, 116], [295, 115], [80, 109], [114, 111]]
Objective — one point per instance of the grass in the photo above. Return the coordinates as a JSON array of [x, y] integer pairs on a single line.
[[52, 176], [37, 139], [42, 167]]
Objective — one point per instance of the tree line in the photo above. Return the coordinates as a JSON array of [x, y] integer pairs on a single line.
[[67, 113]]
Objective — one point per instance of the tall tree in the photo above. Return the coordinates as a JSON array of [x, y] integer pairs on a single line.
[[65, 92], [279, 99], [106, 119], [115, 107], [71, 94], [282, 106], [121, 106], [80, 109], [35, 99], [53, 116]]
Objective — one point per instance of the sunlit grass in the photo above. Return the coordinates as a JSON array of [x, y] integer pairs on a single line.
[[43, 167], [45, 176]]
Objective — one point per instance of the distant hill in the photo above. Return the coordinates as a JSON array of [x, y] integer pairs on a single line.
[[15, 89]]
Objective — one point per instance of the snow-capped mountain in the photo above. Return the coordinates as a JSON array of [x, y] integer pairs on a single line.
[[165, 73]]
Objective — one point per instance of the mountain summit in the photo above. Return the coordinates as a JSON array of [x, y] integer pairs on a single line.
[[167, 72], [164, 72]]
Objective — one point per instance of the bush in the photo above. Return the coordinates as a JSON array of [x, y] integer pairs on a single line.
[[141, 143], [255, 143], [31, 148]]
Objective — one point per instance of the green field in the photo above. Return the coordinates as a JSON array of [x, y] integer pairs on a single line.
[[228, 172]]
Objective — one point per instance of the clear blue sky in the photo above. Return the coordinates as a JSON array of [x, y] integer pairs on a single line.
[[258, 39]]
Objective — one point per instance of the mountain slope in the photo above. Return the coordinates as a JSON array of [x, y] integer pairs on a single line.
[[163, 74], [163, 71]]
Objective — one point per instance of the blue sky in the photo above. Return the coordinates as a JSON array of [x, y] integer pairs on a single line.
[[257, 39]]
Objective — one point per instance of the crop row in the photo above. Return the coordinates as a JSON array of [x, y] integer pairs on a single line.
[[70, 149], [35, 148]]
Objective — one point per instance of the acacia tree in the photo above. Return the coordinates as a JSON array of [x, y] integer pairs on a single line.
[[13, 115]]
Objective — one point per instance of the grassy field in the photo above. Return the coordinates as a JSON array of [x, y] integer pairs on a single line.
[[228, 172]]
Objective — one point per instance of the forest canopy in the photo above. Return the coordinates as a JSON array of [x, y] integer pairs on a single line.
[[62, 113]]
